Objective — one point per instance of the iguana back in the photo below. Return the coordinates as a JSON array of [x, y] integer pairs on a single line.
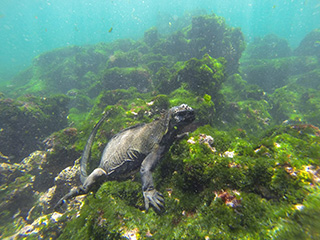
[[125, 151]]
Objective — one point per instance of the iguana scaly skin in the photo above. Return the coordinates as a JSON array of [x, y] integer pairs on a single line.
[[136, 148]]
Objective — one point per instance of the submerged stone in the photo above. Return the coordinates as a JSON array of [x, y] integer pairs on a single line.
[[310, 45]]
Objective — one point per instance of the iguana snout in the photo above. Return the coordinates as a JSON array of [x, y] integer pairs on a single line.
[[182, 115]]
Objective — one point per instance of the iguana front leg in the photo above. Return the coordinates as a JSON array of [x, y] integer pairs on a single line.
[[151, 195]]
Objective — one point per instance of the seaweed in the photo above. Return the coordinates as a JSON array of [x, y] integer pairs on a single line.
[[247, 169]]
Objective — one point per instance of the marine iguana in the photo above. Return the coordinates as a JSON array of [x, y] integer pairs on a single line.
[[137, 147]]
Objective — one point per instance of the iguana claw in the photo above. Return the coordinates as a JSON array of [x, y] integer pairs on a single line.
[[154, 198]]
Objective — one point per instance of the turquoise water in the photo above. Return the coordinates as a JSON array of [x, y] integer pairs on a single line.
[[30, 27], [250, 165]]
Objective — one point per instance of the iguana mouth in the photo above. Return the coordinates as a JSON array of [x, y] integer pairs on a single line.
[[189, 115], [184, 114]]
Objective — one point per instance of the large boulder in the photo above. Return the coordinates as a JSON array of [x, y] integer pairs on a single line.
[[310, 45], [24, 123], [270, 46], [124, 78], [201, 76]]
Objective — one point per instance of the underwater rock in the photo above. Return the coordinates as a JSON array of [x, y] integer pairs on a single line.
[[151, 36], [270, 74], [59, 70], [61, 153], [310, 45], [18, 194], [85, 68], [124, 59], [204, 139], [310, 79], [201, 76], [25, 122], [156, 61], [32, 182], [294, 104], [210, 34], [29, 188], [124, 78], [270, 46], [207, 34], [175, 45], [64, 181]]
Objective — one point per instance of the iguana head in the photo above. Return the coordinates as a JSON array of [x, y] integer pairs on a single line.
[[181, 116]]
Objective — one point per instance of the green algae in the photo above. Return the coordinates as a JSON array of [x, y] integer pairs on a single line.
[[27, 115], [201, 76], [90, 68], [191, 175], [264, 154]]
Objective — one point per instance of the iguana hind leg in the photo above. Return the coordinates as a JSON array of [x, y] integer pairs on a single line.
[[93, 180], [73, 192]]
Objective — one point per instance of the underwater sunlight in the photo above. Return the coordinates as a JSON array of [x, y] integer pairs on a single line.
[[127, 119]]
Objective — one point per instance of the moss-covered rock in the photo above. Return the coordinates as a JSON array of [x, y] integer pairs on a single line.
[[310, 79], [247, 194], [59, 71], [151, 36], [210, 34], [271, 74], [207, 34], [295, 104], [21, 192], [85, 68], [235, 88], [249, 168], [124, 59], [115, 78], [175, 45], [270, 46], [27, 121], [201, 76], [310, 45], [223, 181]]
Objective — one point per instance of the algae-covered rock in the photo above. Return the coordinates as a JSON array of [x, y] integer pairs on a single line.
[[18, 194], [31, 187], [235, 88], [151, 36], [59, 70], [26, 122], [271, 74], [175, 45], [293, 103], [124, 59], [245, 194], [270, 46], [207, 34], [210, 34], [156, 61], [310, 45], [117, 78], [229, 183], [310, 79], [249, 168], [85, 68], [200, 76]]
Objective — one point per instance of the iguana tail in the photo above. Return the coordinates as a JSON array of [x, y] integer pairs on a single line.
[[86, 152]]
